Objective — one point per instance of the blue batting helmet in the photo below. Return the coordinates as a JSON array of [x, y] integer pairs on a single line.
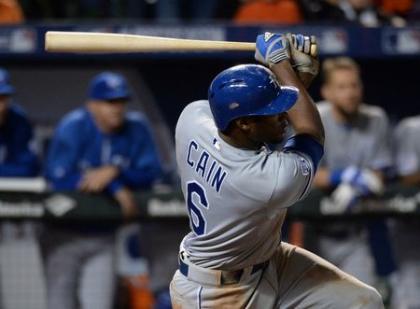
[[109, 86], [248, 90], [5, 87]]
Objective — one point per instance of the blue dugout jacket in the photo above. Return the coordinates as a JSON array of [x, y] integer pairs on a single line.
[[78, 145], [16, 157]]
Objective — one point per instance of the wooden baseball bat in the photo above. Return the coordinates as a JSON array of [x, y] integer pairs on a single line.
[[82, 42]]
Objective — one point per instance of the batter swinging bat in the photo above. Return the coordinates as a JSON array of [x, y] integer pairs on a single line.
[[62, 41]]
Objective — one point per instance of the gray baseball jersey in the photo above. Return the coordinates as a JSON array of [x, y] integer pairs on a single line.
[[364, 144], [408, 146], [236, 198]]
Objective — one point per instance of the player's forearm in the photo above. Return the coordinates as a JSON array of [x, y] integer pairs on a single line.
[[304, 116]]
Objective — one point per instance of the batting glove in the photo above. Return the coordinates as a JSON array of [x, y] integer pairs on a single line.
[[364, 180], [271, 48], [344, 197], [304, 53]]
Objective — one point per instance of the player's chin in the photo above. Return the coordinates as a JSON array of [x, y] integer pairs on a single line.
[[277, 138]]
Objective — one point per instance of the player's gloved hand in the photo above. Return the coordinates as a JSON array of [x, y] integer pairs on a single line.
[[343, 198], [363, 180], [271, 48], [304, 53]]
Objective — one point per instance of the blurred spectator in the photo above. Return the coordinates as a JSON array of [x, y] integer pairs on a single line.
[[99, 148], [357, 156], [363, 12], [407, 230], [320, 11], [139, 10], [367, 14], [17, 159], [269, 12], [165, 10], [414, 14], [19, 249], [10, 12]]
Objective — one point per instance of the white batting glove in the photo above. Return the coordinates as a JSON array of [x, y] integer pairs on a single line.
[[271, 48], [363, 180], [304, 53], [344, 197], [371, 183]]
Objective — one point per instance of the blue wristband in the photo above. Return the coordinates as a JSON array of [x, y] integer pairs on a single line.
[[335, 176]]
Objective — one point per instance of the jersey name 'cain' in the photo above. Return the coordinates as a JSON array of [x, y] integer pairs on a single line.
[[205, 166]]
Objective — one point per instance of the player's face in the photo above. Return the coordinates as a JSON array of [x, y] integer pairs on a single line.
[[109, 114], [344, 91], [268, 129]]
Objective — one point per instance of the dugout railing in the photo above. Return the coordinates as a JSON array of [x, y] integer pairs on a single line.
[[32, 200]]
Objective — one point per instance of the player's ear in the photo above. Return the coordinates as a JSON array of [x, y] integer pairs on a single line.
[[243, 123]]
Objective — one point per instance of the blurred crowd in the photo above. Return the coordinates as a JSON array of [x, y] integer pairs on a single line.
[[368, 13]]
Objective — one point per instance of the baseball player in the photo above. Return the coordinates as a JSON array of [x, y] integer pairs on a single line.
[[237, 190], [99, 148], [17, 159], [357, 155], [407, 231], [19, 247]]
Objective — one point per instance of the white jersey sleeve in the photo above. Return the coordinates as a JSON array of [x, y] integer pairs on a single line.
[[295, 173]]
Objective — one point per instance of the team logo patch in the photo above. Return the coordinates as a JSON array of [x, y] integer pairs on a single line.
[[233, 105], [113, 82], [268, 36], [305, 167]]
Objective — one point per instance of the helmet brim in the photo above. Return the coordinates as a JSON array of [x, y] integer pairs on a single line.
[[281, 104], [115, 95]]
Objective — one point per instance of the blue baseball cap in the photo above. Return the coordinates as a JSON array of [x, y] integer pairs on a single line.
[[109, 86], [5, 87]]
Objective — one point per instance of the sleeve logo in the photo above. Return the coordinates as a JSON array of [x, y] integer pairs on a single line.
[[305, 167]]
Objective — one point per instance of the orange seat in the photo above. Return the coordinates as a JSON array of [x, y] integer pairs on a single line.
[[10, 12], [265, 11], [397, 6]]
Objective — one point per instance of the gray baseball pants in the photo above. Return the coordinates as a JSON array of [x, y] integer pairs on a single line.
[[293, 278]]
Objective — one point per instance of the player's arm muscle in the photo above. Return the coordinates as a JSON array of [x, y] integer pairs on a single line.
[[303, 116]]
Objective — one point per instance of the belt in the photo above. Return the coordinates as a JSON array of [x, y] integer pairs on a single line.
[[216, 277]]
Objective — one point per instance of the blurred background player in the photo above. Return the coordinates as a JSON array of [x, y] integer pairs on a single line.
[[99, 148], [407, 232], [19, 249], [17, 158], [357, 155]]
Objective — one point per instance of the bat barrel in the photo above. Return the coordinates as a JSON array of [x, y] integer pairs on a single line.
[[61, 41]]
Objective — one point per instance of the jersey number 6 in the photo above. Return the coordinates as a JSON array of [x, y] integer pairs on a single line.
[[197, 220]]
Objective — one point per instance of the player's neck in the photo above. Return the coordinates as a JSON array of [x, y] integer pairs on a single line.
[[342, 117], [239, 140]]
